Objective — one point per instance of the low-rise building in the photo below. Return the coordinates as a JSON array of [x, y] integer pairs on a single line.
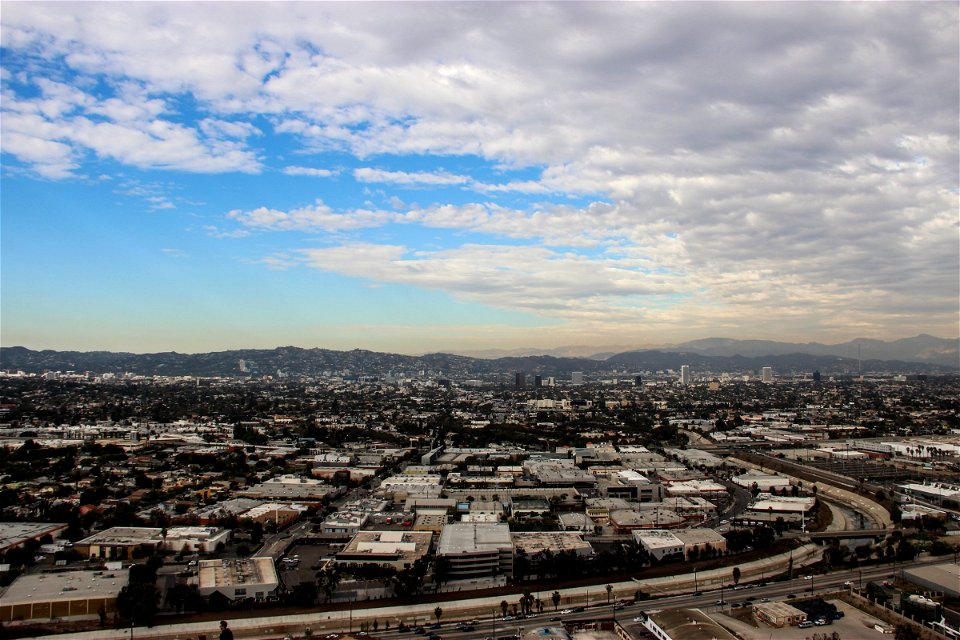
[[63, 596], [659, 544], [778, 614], [401, 487], [14, 534], [344, 524], [627, 521], [475, 550], [239, 579], [397, 549], [556, 542], [278, 513]]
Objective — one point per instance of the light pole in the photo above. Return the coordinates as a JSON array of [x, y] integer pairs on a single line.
[[695, 586]]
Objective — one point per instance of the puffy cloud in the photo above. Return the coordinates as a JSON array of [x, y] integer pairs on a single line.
[[796, 159]]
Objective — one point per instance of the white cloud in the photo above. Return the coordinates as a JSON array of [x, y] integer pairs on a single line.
[[367, 174], [318, 217], [564, 285], [309, 171], [806, 150]]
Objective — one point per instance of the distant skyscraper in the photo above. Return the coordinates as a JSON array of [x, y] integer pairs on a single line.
[[685, 374], [538, 381], [638, 380], [816, 376], [767, 374], [521, 380], [576, 377]]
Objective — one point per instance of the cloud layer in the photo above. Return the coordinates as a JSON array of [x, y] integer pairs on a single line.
[[750, 169]]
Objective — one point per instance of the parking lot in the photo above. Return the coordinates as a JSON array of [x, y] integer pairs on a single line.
[[311, 556], [854, 624]]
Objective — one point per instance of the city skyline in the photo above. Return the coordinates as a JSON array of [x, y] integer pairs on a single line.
[[408, 177]]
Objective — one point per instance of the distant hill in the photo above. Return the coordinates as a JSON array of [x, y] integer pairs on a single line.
[[295, 361], [922, 348]]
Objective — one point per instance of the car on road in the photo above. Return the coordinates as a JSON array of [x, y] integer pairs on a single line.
[[566, 611], [791, 595], [721, 602], [435, 625]]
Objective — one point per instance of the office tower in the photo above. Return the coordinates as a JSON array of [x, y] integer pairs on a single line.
[[576, 377], [767, 374], [685, 374], [638, 381], [816, 376], [538, 381], [520, 381]]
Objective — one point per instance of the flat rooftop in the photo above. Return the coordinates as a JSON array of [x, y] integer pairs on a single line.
[[468, 537], [69, 585], [14, 533]]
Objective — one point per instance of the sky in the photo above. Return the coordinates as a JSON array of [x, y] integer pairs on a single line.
[[416, 177]]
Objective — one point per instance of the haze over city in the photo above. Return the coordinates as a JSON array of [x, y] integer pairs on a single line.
[[411, 177]]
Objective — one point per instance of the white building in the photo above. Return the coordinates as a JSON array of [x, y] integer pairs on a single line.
[[474, 550], [239, 579], [685, 374], [766, 374]]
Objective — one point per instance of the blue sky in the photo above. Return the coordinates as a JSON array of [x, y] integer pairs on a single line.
[[414, 177]]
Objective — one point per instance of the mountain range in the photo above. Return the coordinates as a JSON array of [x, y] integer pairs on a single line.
[[922, 354], [921, 348]]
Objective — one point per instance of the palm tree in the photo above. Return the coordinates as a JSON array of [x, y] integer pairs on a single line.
[[556, 599], [503, 608], [438, 613], [609, 589]]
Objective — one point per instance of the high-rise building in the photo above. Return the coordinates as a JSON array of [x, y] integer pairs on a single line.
[[576, 377], [638, 381], [520, 380], [816, 376], [685, 374], [537, 381], [766, 374]]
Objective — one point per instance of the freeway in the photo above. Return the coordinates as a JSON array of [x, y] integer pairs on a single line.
[[491, 626], [483, 608]]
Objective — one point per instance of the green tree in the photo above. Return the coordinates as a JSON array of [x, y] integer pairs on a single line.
[[438, 613], [555, 598], [736, 575], [137, 603], [328, 579], [906, 632]]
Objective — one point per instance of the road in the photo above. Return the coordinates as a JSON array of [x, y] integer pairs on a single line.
[[324, 622]]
